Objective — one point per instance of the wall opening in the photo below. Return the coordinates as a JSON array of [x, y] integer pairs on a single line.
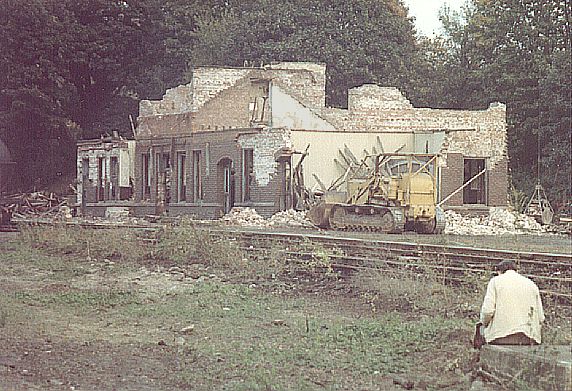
[[259, 101], [227, 184], [100, 179], [247, 173], [475, 192], [163, 175], [114, 175], [196, 176], [84, 180], [145, 177], [286, 199], [181, 177]]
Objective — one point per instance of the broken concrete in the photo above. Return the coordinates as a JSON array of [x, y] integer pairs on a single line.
[[499, 221], [247, 217]]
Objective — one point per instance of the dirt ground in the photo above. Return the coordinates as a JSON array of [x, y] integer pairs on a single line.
[[73, 323]]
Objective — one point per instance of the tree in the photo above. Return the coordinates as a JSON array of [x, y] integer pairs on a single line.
[[69, 65], [517, 52], [360, 41]]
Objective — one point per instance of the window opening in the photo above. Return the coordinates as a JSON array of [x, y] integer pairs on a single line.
[[146, 176], [100, 178], [196, 175], [474, 192], [247, 173], [181, 177], [114, 174]]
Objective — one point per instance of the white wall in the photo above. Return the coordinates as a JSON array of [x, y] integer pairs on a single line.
[[325, 146], [287, 112]]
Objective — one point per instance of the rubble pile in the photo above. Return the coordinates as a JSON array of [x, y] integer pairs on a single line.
[[246, 217], [36, 204], [290, 218], [499, 221]]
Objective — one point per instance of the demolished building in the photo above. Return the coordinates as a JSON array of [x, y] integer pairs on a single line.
[[104, 173], [237, 136]]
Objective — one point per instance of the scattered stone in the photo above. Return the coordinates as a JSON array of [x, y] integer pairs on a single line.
[[290, 218], [499, 221], [248, 217], [187, 329]]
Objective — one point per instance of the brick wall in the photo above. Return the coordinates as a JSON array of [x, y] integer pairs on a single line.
[[217, 148], [498, 184], [216, 105], [229, 109], [452, 178]]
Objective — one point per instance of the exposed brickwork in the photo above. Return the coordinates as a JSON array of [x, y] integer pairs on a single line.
[[218, 113], [498, 184], [452, 179], [217, 148], [233, 102]]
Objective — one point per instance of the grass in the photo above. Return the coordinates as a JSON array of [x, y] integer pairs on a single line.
[[245, 336]]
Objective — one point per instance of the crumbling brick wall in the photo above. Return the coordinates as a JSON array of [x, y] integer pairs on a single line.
[[216, 147], [218, 103]]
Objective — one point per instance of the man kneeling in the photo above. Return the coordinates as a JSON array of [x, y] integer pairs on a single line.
[[512, 309]]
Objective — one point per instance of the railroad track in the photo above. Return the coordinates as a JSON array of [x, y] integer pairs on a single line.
[[454, 264]]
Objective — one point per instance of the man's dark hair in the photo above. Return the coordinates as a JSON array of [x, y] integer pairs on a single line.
[[506, 265]]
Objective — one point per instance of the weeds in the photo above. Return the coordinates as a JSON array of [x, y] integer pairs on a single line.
[[87, 243]]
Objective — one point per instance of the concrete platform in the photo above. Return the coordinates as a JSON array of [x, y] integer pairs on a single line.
[[545, 368]]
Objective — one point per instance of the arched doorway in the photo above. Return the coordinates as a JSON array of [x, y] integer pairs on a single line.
[[227, 183]]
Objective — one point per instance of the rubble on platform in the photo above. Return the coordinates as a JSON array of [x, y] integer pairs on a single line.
[[499, 221], [244, 217], [248, 217], [290, 218]]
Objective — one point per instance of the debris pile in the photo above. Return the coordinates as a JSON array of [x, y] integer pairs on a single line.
[[290, 218], [248, 217], [36, 204], [499, 221], [245, 217], [117, 213]]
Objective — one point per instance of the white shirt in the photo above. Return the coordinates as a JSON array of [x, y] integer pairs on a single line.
[[512, 304]]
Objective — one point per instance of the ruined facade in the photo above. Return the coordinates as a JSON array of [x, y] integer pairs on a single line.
[[233, 137], [104, 171]]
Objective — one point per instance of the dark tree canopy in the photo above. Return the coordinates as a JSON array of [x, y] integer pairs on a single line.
[[76, 69], [72, 69], [360, 41], [518, 52]]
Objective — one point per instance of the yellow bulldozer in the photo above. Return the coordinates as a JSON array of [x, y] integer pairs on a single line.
[[398, 193]]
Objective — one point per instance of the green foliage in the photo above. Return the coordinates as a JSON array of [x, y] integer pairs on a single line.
[[360, 41], [112, 244], [518, 52], [185, 243], [70, 70]]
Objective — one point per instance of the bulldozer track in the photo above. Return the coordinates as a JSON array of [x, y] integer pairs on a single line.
[[453, 264]]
